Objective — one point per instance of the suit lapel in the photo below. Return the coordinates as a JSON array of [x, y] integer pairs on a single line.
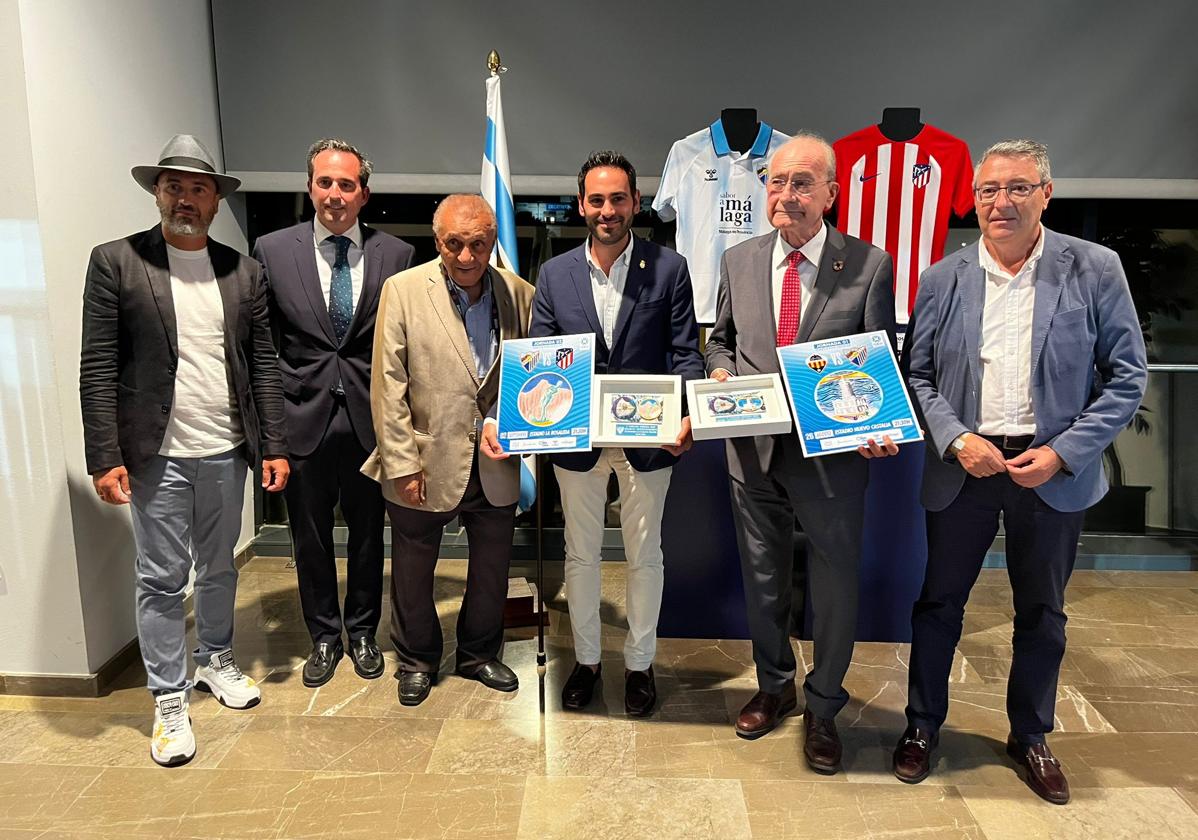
[[154, 259], [443, 305], [509, 321], [228, 280], [633, 281], [305, 264], [971, 292], [586, 297], [826, 278], [372, 280], [1048, 291]]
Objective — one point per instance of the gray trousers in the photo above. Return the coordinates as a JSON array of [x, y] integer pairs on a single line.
[[765, 512], [185, 511]]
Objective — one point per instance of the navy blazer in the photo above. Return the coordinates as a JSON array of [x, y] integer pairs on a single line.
[[311, 361], [655, 330], [1089, 367]]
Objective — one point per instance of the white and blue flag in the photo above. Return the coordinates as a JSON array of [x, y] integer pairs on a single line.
[[497, 179], [497, 190]]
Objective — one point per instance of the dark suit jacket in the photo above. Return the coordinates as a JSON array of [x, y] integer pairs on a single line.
[[130, 352], [311, 362], [655, 330], [854, 292], [1089, 368]]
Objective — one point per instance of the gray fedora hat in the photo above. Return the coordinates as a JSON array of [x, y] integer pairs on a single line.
[[184, 153]]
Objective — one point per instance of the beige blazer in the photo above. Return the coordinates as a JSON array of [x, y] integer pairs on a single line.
[[426, 398]]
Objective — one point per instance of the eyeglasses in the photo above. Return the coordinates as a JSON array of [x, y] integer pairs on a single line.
[[1016, 192], [803, 186]]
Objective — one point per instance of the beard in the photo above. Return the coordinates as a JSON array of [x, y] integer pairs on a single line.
[[180, 225], [621, 230]]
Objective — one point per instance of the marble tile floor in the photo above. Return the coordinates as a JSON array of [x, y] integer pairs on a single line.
[[348, 761]]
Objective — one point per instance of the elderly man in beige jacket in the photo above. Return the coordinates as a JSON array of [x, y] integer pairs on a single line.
[[434, 378]]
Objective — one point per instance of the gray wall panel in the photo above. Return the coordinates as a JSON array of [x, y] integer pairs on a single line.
[[1112, 87]]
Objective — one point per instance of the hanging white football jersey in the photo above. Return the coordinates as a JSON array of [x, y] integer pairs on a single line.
[[718, 197]]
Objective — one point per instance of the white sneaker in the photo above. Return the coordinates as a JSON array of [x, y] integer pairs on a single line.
[[172, 742], [224, 680]]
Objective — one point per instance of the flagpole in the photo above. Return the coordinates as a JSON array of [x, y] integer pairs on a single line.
[[496, 188]]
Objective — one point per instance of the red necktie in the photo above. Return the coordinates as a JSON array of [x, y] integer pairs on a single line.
[[792, 300]]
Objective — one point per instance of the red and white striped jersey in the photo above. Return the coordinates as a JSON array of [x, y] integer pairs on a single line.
[[897, 195]]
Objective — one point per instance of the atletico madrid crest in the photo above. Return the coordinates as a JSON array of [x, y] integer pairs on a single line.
[[565, 357], [921, 173], [817, 362]]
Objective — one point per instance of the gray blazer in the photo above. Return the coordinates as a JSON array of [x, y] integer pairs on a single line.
[[1089, 367], [130, 352], [854, 292]]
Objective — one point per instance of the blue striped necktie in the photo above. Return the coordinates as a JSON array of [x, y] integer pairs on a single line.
[[341, 290]]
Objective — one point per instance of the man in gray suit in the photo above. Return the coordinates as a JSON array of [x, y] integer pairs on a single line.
[[180, 393], [1026, 359], [806, 282]]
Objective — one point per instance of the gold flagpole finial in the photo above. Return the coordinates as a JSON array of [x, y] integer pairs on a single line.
[[493, 63]]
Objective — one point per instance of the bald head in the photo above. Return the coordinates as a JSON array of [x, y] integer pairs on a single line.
[[463, 210], [807, 143]]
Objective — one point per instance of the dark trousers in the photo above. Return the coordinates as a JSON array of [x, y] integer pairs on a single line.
[[765, 514], [316, 483], [415, 543], [1041, 548]]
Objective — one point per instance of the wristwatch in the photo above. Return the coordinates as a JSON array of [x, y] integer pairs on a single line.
[[958, 444]]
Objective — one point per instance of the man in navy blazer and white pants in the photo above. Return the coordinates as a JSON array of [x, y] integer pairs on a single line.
[[1026, 359], [636, 298]]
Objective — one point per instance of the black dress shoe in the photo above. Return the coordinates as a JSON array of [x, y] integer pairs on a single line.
[[493, 674], [368, 659], [821, 744], [913, 755], [580, 687], [414, 686], [1043, 772], [640, 693], [322, 663]]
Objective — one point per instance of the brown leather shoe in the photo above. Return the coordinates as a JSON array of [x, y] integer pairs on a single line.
[[913, 755], [765, 711], [1043, 771], [821, 744]]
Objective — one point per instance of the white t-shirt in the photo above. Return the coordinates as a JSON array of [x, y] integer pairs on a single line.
[[204, 418], [718, 196]]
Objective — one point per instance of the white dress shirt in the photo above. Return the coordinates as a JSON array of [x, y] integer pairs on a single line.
[[608, 288], [1006, 345], [326, 255], [813, 252]]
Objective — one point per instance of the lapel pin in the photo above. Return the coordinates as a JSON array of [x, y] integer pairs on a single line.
[[838, 265], [642, 263]]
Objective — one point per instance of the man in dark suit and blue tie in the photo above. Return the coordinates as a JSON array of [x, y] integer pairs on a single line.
[[324, 278], [1026, 359], [636, 298]]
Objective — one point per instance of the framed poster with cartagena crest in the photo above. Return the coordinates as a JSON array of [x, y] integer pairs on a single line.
[[845, 391]]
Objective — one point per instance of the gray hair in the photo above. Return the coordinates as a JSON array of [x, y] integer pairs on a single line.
[[471, 203], [327, 144], [812, 137], [1038, 152]]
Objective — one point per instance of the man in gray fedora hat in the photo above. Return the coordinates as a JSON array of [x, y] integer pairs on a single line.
[[180, 393]]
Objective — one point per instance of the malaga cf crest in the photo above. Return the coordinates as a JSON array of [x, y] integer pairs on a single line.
[[529, 361]]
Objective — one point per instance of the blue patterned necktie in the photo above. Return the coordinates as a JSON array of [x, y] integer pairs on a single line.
[[341, 290]]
